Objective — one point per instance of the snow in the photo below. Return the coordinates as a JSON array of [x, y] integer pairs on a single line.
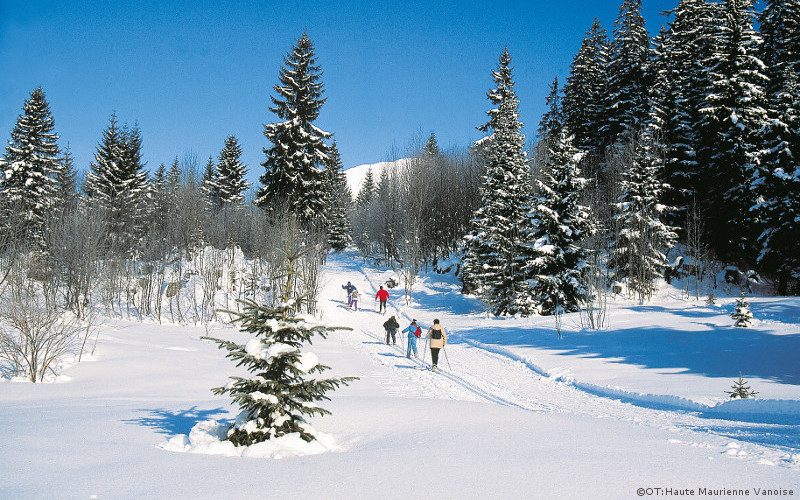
[[355, 175], [515, 412]]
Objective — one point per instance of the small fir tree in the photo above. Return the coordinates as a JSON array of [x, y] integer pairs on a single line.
[[741, 389], [742, 315], [281, 393], [274, 401]]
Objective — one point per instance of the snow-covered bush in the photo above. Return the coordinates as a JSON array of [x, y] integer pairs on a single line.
[[35, 332], [281, 392]]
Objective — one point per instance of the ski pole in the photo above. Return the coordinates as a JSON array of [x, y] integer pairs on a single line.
[[424, 351], [445, 358]]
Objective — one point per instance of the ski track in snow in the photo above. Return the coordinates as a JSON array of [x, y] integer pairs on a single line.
[[482, 373]]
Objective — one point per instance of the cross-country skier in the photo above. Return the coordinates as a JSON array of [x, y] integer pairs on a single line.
[[413, 330], [391, 325], [438, 338], [350, 289], [354, 300], [382, 296]]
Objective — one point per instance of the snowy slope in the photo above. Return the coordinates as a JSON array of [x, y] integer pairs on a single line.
[[355, 175], [515, 412]]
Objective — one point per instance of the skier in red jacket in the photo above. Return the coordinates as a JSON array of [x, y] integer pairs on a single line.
[[382, 296]]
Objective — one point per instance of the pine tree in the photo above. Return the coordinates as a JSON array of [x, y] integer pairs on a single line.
[[338, 202], [734, 116], [283, 388], [501, 77], [561, 224], [117, 185], [584, 93], [742, 316], [628, 73], [208, 184], [681, 85], [281, 391], [367, 190], [741, 389], [65, 196], [777, 178], [28, 167], [293, 176], [779, 26], [552, 122], [642, 239], [777, 185], [496, 252], [229, 182]]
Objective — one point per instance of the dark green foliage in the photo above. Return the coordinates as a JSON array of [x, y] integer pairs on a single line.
[[275, 400]]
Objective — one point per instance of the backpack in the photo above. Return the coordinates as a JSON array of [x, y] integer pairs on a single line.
[[436, 333], [417, 332], [354, 295]]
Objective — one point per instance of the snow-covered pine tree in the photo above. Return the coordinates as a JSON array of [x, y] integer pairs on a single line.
[[339, 201], [208, 184], [293, 176], [777, 181], [561, 224], [734, 115], [501, 77], [28, 167], [367, 190], [552, 122], [229, 181], [495, 249], [283, 389], [117, 185], [628, 71], [642, 239], [742, 315], [65, 195], [680, 87], [779, 26], [777, 184], [584, 94]]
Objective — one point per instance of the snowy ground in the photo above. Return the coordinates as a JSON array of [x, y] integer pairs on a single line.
[[516, 413]]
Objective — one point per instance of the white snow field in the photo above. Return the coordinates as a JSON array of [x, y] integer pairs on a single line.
[[515, 412]]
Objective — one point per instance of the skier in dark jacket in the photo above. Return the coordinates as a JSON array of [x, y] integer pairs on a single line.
[[391, 325]]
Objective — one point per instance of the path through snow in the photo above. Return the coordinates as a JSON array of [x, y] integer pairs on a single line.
[[472, 371]]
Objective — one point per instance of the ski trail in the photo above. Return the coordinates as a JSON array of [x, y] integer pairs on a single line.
[[495, 375]]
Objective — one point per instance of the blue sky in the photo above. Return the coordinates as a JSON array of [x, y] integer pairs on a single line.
[[190, 73]]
